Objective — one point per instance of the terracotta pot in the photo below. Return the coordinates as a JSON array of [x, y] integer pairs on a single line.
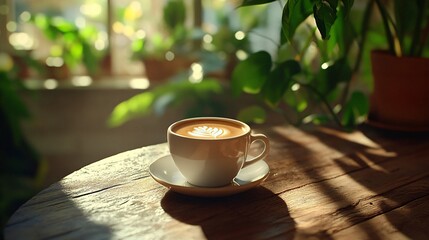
[[59, 73], [401, 91], [160, 69]]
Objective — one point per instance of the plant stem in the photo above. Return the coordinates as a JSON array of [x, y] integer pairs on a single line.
[[417, 28], [364, 33], [361, 43], [424, 38], [308, 41], [389, 34]]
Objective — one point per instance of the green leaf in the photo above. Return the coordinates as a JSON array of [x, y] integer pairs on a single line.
[[174, 14], [317, 119], [404, 23], [255, 114], [138, 45], [279, 81], [41, 21], [254, 2], [342, 34], [294, 13], [70, 38], [160, 98], [138, 105], [76, 50], [356, 108], [302, 105], [325, 14], [89, 59], [62, 25], [250, 75], [89, 33], [332, 3]]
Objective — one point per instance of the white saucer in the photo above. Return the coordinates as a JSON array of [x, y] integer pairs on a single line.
[[165, 172]]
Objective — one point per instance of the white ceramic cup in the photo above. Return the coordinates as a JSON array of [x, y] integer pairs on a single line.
[[210, 151]]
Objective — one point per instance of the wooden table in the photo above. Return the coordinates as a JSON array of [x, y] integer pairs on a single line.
[[323, 184]]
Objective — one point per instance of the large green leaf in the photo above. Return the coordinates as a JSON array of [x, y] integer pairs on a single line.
[[342, 34], [160, 98], [325, 13], [279, 81], [255, 2], [138, 105], [250, 75], [294, 13]]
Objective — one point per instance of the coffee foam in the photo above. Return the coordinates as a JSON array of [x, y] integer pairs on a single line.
[[209, 129], [208, 132]]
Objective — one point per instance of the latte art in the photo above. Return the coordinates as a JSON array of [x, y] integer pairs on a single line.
[[209, 129], [208, 132]]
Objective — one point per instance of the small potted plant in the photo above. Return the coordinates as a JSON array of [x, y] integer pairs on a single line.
[[400, 99], [71, 46], [165, 54]]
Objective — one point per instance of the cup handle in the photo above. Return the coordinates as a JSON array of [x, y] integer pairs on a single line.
[[264, 153]]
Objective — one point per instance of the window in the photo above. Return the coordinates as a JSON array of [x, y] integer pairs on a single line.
[[100, 37]]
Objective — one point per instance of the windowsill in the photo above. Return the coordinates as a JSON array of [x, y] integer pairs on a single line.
[[86, 82]]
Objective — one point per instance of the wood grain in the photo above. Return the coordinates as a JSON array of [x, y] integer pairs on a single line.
[[324, 184]]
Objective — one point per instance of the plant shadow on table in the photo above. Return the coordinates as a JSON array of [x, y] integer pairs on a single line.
[[370, 166], [53, 214], [255, 214], [400, 189]]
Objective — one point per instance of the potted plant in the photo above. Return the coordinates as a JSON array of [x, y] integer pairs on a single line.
[[71, 46], [167, 53], [309, 78], [400, 98]]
